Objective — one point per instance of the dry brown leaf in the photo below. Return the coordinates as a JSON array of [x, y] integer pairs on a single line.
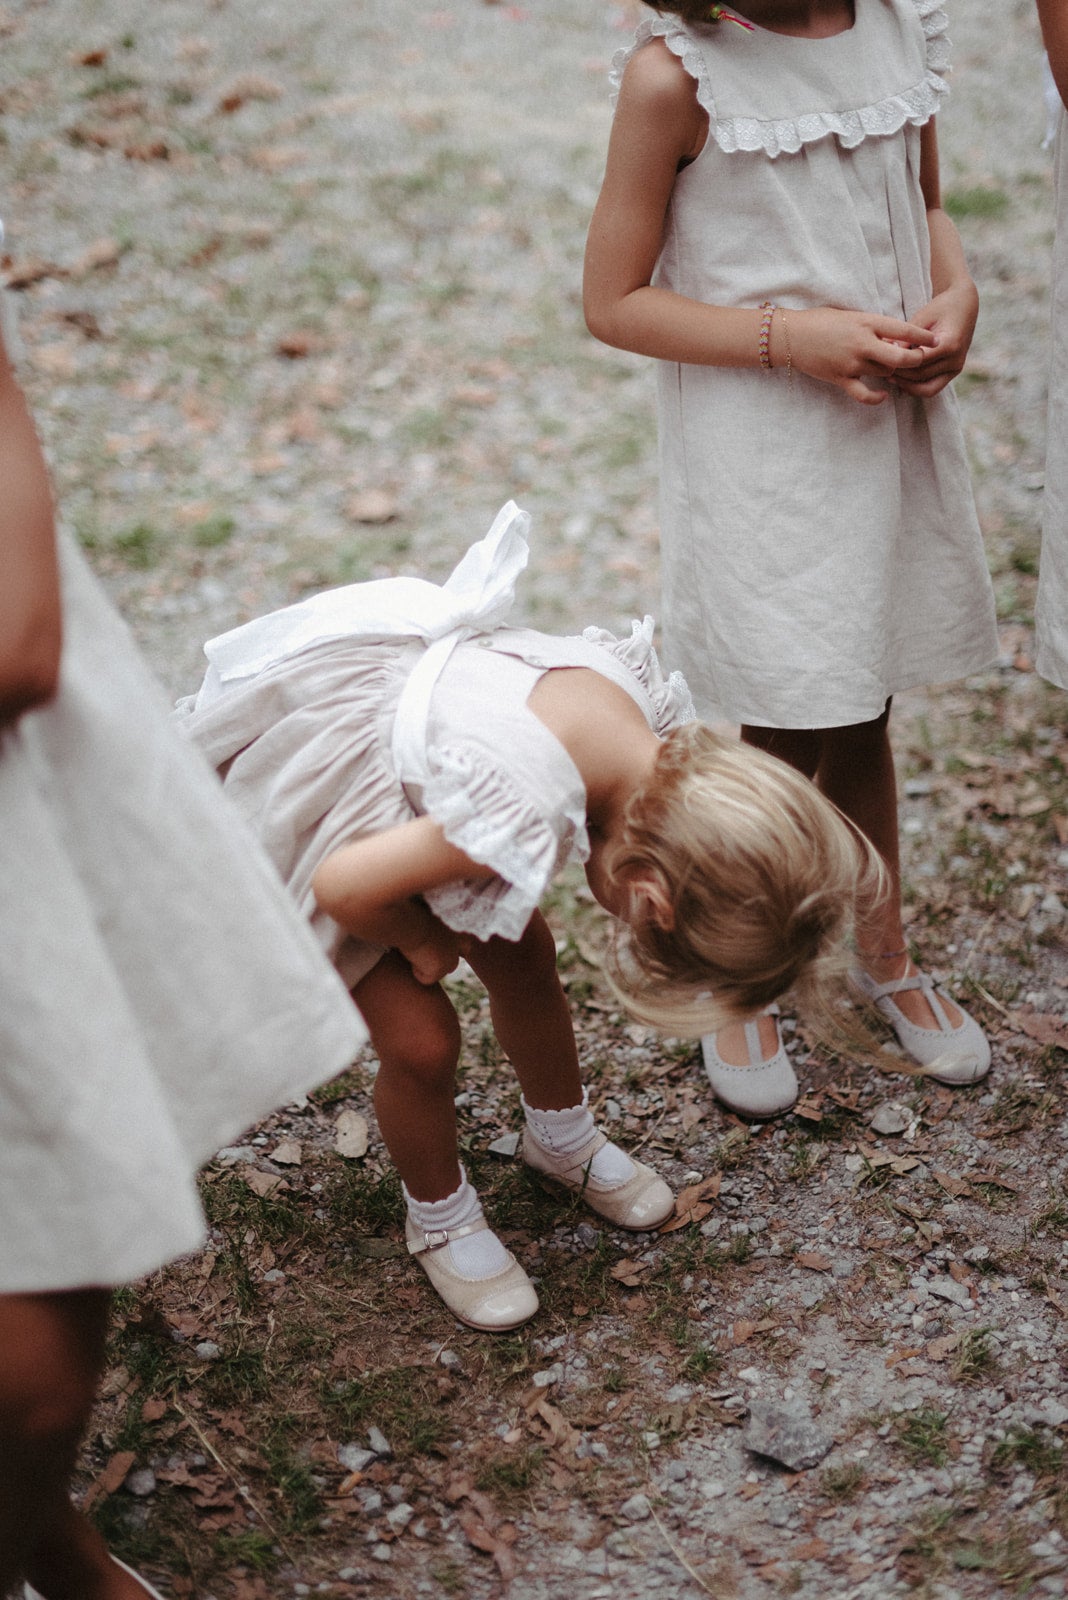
[[629, 1273], [153, 1410], [905, 1354], [288, 1153], [1043, 1026], [262, 1183], [743, 1331], [813, 1261], [952, 1185], [939, 1349], [112, 1478], [371, 506], [693, 1203], [995, 1180], [811, 1550]]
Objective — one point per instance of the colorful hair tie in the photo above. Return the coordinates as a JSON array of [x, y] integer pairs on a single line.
[[718, 14]]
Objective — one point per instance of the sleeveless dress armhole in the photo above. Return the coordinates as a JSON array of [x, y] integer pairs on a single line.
[[669, 698]]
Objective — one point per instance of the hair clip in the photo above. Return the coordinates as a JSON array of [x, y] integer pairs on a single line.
[[718, 14]]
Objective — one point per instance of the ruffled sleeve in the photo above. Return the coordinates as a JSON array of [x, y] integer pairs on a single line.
[[669, 698], [483, 812], [753, 107]]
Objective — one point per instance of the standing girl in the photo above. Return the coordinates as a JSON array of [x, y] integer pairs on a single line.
[[157, 995], [770, 229], [418, 772], [1051, 607]]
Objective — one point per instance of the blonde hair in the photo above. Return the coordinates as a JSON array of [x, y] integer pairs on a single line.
[[688, 10], [739, 880]]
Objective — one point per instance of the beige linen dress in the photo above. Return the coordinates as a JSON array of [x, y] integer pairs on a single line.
[[817, 555], [158, 991], [312, 743], [1051, 608]]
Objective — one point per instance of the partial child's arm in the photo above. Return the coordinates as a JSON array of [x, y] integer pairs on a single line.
[[1053, 15], [658, 126], [30, 618], [952, 311], [372, 888]]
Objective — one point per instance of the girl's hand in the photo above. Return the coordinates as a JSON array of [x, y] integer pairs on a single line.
[[951, 317], [857, 351], [434, 956]]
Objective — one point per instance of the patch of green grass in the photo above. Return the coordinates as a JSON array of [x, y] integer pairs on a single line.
[[974, 1360], [248, 1547], [980, 201], [111, 83], [214, 530], [512, 1473], [843, 1483], [702, 1362], [405, 1402], [924, 1436], [138, 545]]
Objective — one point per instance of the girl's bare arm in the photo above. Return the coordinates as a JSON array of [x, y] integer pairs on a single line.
[[30, 616], [1053, 15], [953, 308], [372, 887], [659, 125]]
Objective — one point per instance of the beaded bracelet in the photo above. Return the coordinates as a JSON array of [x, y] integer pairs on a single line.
[[786, 338], [767, 311]]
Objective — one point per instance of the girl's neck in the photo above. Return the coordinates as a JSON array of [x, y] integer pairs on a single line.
[[804, 19]]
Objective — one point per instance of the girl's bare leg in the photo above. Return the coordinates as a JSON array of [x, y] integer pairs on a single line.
[[855, 769], [51, 1357], [416, 1037], [531, 1016]]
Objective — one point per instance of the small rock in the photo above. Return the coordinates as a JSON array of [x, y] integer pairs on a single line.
[[450, 1360], [378, 1442], [382, 1552], [890, 1118], [354, 1458], [506, 1145], [636, 1509], [208, 1350], [551, 1375], [141, 1482], [400, 1516], [749, 1375], [350, 1135], [950, 1289], [786, 1433], [713, 1489]]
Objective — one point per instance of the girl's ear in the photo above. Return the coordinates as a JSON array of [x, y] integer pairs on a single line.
[[651, 902]]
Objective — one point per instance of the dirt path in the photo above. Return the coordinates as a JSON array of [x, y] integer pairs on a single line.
[[300, 299]]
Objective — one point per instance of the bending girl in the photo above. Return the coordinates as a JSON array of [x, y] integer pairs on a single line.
[[418, 772]]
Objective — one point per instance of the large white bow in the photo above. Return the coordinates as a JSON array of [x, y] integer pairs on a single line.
[[476, 597]]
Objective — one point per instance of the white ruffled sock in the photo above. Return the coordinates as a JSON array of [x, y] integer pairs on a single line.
[[564, 1132], [477, 1255]]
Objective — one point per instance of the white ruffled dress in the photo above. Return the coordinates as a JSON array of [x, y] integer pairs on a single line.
[[370, 705], [158, 992], [1051, 607], [817, 555]]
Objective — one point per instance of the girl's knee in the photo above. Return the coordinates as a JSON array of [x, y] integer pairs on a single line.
[[50, 1359], [425, 1051]]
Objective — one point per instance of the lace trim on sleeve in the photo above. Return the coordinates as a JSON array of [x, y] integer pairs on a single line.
[[786, 135], [484, 815], [670, 698]]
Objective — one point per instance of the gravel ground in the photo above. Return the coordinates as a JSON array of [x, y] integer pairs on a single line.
[[299, 289]]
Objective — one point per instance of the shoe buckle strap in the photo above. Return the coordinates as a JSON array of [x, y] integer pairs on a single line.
[[438, 1238]]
